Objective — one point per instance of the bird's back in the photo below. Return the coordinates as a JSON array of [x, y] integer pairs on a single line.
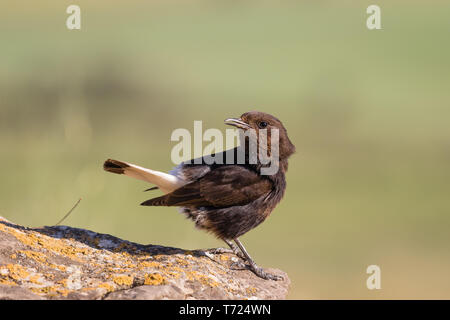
[[226, 199]]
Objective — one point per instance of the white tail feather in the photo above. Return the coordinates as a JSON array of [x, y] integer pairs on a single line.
[[165, 182]]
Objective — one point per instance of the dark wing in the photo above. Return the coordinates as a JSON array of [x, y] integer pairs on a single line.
[[222, 187]]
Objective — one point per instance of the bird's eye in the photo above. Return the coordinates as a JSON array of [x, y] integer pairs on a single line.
[[262, 124]]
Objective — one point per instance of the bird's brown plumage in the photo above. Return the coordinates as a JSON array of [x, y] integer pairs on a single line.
[[231, 199], [219, 188], [225, 199]]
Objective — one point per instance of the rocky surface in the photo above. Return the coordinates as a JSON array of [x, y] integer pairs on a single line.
[[68, 263]]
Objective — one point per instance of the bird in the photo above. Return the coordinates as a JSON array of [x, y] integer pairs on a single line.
[[225, 199]]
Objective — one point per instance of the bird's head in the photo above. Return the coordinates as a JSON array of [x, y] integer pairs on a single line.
[[264, 122]]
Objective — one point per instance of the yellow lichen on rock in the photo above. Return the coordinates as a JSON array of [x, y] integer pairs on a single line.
[[154, 279], [149, 264], [37, 240], [27, 239], [63, 262], [51, 291], [204, 279], [123, 280], [107, 286], [34, 279], [251, 290], [55, 266], [181, 262], [35, 255], [17, 272], [63, 282], [7, 282]]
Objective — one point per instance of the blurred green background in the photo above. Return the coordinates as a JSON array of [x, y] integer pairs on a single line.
[[368, 111]]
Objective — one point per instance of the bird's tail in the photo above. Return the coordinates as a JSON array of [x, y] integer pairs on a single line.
[[166, 182]]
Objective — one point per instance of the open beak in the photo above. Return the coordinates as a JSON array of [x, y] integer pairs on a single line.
[[237, 123]]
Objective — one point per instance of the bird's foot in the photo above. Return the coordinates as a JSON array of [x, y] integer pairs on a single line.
[[238, 265], [225, 250], [219, 250], [263, 274]]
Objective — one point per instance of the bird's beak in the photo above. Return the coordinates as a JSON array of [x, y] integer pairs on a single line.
[[237, 123]]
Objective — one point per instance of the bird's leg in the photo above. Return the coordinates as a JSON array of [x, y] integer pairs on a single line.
[[233, 249], [257, 270]]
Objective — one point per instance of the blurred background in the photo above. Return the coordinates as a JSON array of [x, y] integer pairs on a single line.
[[367, 110]]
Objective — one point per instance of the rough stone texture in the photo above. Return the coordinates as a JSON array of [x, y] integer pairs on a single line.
[[69, 263]]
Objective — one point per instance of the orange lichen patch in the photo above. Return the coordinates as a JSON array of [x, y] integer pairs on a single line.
[[36, 240], [68, 251], [44, 290], [250, 290], [123, 280], [63, 282], [17, 272], [173, 274], [125, 255], [175, 269], [149, 264], [120, 270], [51, 291], [144, 257], [105, 285], [196, 276], [13, 256], [170, 270], [224, 258], [27, 239], [60, 267], [182, 262], [154, 279], [35, 255], [7, 282], [34, 279], [49, 276]]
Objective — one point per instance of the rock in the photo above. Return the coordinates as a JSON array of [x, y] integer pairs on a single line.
[[62, 262]]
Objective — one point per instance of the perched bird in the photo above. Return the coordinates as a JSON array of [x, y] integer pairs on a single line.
[[227, 199]]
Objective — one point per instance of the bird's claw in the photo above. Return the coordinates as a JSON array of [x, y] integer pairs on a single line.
[[258, 271], [219, 251], [265, 275], [225, 250], [238, 265]]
